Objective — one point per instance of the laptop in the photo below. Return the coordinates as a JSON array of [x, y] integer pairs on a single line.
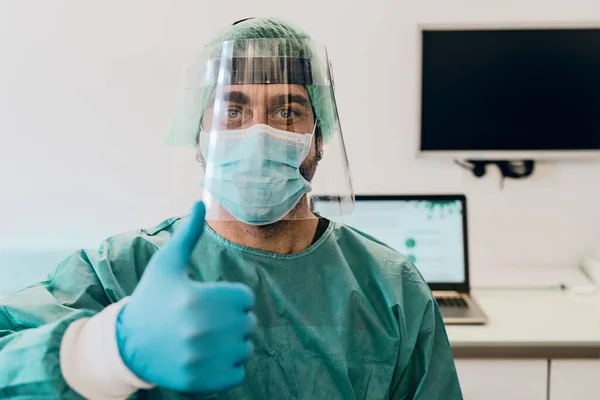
[[431, 231]]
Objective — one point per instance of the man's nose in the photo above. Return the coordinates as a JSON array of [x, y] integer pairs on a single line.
[[260, 117]]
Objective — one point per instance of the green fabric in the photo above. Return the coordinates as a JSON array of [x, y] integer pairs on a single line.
[[346, 318], [322, 96]]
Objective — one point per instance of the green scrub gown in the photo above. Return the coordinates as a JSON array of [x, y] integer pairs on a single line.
[[346, 318]]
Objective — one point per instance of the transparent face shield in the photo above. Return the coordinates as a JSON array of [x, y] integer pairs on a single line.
[[261, 133]]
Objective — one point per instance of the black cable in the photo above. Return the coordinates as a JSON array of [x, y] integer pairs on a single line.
[[463, 165], [516, 169], [508, 169]]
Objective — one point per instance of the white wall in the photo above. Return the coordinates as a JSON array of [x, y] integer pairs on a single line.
[[87, 90]]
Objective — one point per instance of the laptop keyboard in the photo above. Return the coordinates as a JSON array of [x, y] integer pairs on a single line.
[[451, 302]]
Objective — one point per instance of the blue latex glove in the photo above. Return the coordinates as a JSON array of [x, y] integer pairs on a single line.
[[184, 335]]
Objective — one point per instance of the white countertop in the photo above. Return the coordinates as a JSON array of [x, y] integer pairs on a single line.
[[532, 318]]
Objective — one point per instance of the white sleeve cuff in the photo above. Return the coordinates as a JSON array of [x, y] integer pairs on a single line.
[[90, 361]]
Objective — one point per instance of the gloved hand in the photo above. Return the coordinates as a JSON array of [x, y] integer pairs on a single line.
[[184, 335]]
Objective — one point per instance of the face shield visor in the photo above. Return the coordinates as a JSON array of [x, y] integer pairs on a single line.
[[260, 122]]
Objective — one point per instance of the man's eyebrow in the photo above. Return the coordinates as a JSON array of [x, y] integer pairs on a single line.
[[282, 99], [236, 97]]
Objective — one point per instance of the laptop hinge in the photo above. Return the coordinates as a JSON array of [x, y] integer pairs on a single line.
[[446, 293]]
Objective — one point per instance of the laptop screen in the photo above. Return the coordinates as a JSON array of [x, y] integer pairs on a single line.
[[428, 232]]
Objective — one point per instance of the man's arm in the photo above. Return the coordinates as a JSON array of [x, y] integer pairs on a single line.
[[430, 373], [33, 321]]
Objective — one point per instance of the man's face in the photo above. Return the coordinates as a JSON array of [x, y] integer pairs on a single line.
[[284, 107]]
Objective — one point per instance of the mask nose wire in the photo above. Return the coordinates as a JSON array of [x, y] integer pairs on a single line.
[[201, 129]]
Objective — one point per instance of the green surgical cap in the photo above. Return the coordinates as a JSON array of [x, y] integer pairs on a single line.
[[258, 28]]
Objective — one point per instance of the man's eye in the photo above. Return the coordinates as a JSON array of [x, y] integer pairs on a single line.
[[233, 114], [287, 113]]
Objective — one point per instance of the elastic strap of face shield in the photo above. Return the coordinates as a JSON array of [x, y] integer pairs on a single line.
[[241, 20]]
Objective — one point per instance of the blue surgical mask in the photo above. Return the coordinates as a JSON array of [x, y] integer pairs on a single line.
[[254, 173]]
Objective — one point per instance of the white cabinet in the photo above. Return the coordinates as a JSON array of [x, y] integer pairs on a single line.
[[574, 379], [503, 379]]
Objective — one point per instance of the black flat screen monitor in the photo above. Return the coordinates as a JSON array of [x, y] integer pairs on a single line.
[[510, 93]]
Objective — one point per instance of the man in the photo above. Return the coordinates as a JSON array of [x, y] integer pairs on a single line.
[[264, 300]]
